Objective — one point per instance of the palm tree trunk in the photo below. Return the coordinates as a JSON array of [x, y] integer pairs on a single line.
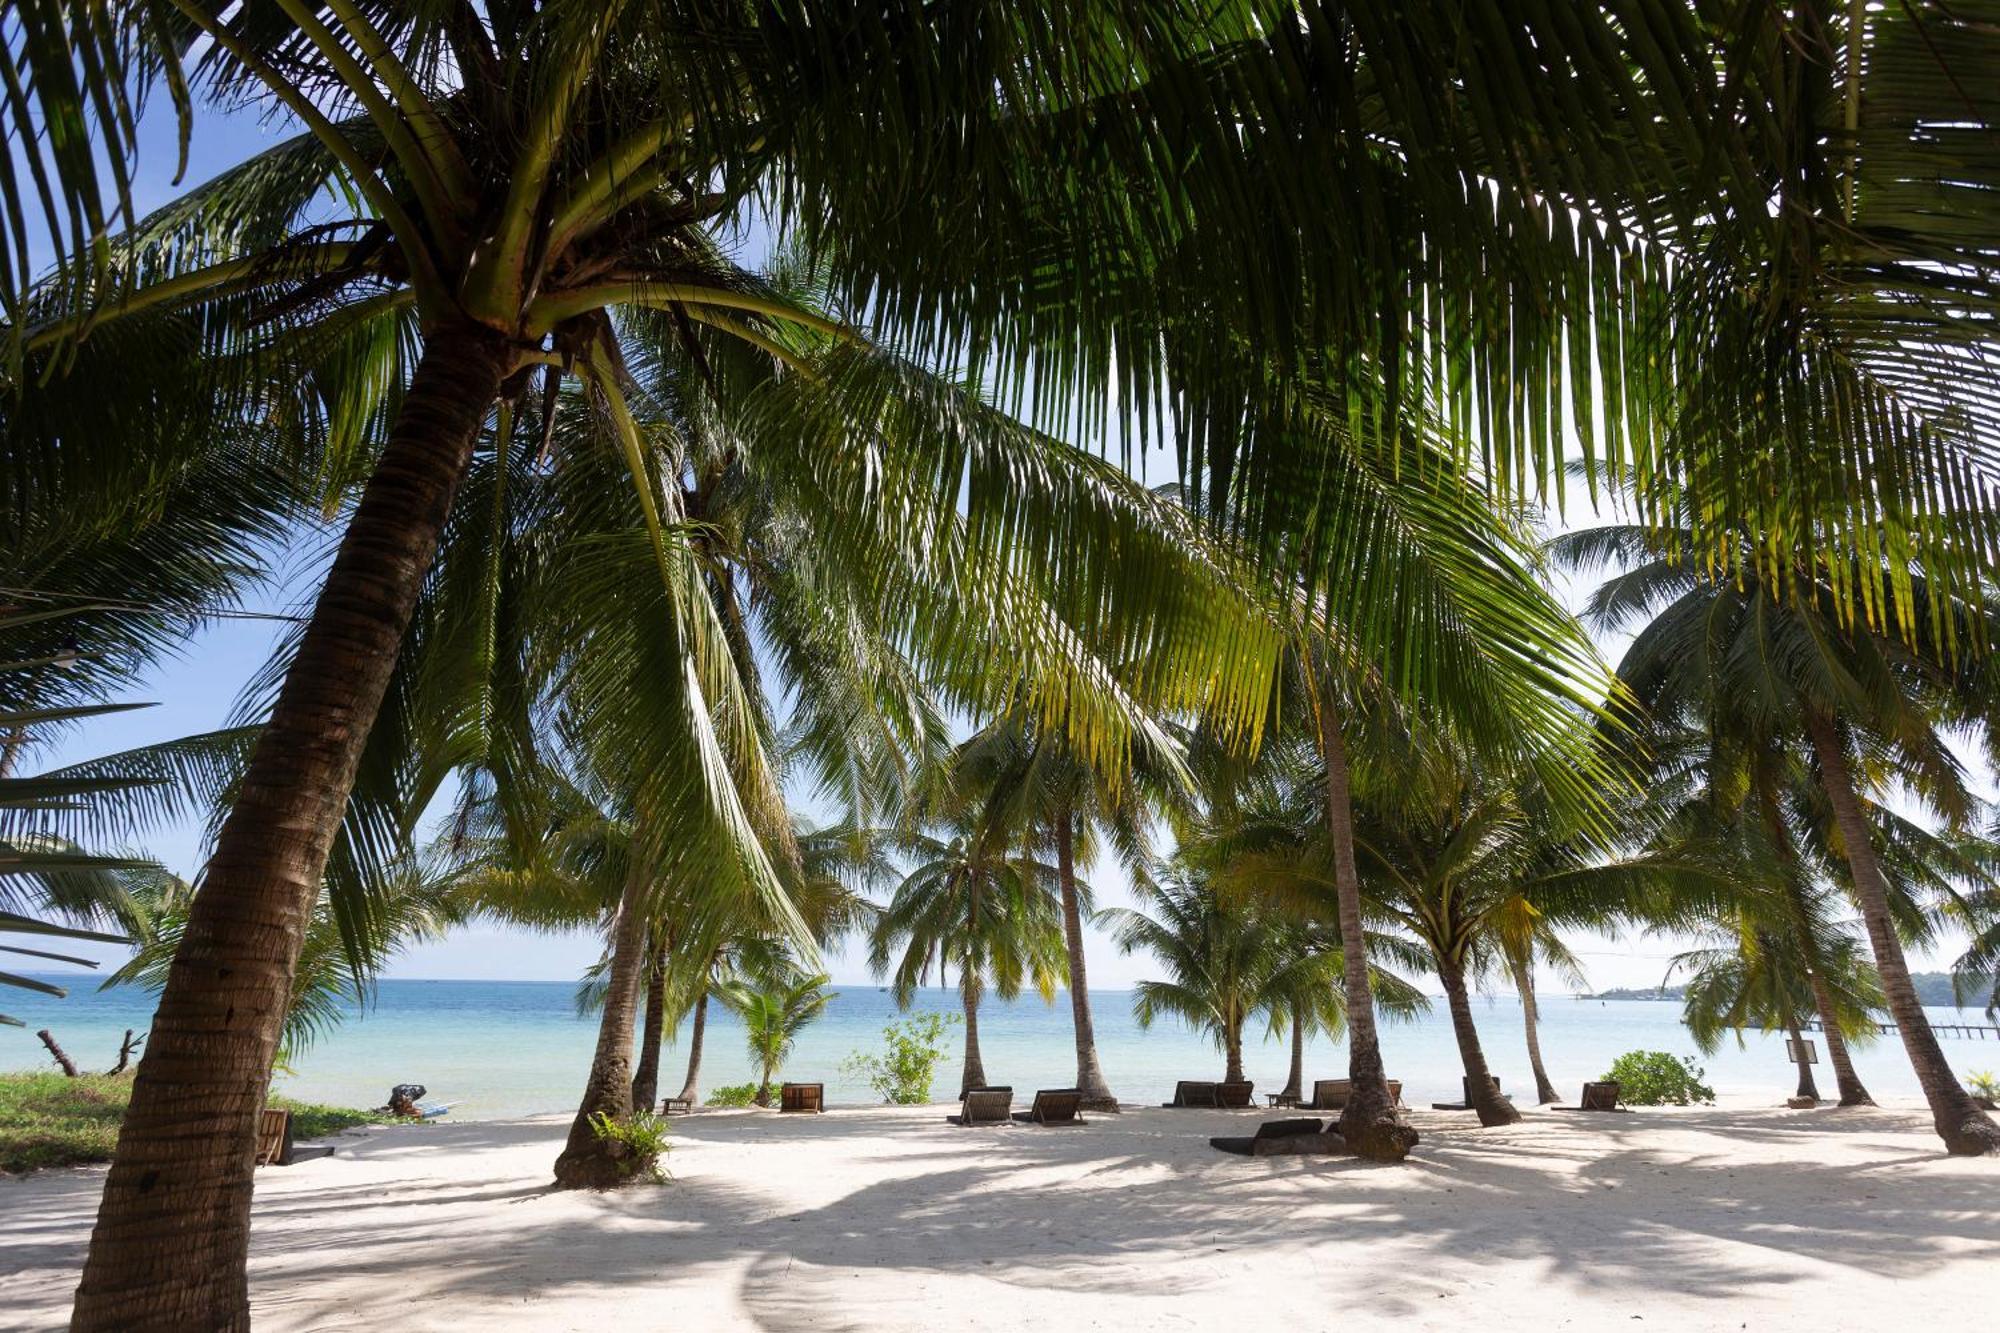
[[1852, 1092], [172, 1231], [974, 1075], [589, 1161], [1524, 981], [646, 1081], [1965, 1129], [1097, 1094], [1807, 1088], [1232, 1053], [1295, 1083], [1368, 1122], [1493, 1108], [691, 1089]]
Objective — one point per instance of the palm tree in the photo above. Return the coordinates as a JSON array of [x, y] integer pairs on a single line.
[[1786, 667], [1764, 979], [972, 902], [774, 1011]]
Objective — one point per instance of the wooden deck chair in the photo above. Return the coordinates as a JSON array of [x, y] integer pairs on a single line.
[[1465, 1082], [1234, 1096], [1599, 1097], [274, 1127], [1331, 1094], [680, 1105], [1053, 1106], [985, 1106], [802, 1097], [1194, 1092], [1282, 1137]]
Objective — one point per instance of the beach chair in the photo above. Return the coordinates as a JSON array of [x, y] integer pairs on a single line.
[[274, 1141], [985, 1106], [678, 1105], [1276, 1137], [802, 1097], [1194, 1092], [1599, 1097], [1331, 1094], [1053, 1106], [1234, 1096], [1466, 1105]]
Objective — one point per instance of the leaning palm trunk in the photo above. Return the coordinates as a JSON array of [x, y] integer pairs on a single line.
[[1807, 1087], [1965, 1129], [588, 1159], [646, 1081], [1852, 1091], [691, 1088], [1097, 1095], [169, 1248], [1369, 1122], [1524, 981], [1493, 1108]]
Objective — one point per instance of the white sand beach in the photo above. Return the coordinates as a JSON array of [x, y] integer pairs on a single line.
[[887, 1218]]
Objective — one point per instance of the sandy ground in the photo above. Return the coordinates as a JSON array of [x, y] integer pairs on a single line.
[[881, 1218]]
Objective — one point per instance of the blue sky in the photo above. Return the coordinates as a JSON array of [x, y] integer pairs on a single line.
[[195, 691]]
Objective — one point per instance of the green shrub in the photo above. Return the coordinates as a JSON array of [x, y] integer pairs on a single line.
[[741, 1094], [1982, 1084], [1654, 1078], [902, 1076], [50, 1119], [642, 1138]]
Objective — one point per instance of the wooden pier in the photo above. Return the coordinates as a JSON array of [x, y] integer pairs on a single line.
[[1980, 1030]]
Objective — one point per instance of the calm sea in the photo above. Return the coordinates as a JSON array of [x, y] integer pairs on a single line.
[[504, 1048]]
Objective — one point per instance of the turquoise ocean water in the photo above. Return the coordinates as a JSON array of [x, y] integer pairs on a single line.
[[503, 1048]]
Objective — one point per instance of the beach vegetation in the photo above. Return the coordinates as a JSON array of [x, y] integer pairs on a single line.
[[1984, 1085], [913, 1049], [732, 1095], [50, 1119], [637, 1143], [1655, 1078]]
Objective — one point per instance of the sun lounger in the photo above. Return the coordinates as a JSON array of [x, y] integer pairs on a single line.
[[1054, 1106], [679, 1106], [1195, 1092], [274, 1141], [1276, 1138], [985, 1106], [1465, 1105], [1596, 1097], [802, 1097], [1234, 1096], [1331, 1094]]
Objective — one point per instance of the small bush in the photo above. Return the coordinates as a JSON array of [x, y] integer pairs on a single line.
[[903, 1076], [1654, 1078], [741, 1094], [643, 1138], [1982, 1084]]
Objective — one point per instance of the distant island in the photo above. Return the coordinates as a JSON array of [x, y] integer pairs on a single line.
[[1933, 988]]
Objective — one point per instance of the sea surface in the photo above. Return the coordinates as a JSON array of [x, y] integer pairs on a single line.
[[505, 1048]]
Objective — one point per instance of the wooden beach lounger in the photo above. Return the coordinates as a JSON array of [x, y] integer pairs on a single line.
[[1331, 1094], [679, 1105], [1465, 1105], [802, 1097], [1596, 1097], [1195, 1092], [985, 1106], [1053, 1106], [1281, 1138], [1234, 1096], [274, 1141]]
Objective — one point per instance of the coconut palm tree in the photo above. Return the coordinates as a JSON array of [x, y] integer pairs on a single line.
[[975, 901], [1763, 978], [774, 1011], [1787, 668]]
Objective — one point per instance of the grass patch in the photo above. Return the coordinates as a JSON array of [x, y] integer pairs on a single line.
[[53, 1120]]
